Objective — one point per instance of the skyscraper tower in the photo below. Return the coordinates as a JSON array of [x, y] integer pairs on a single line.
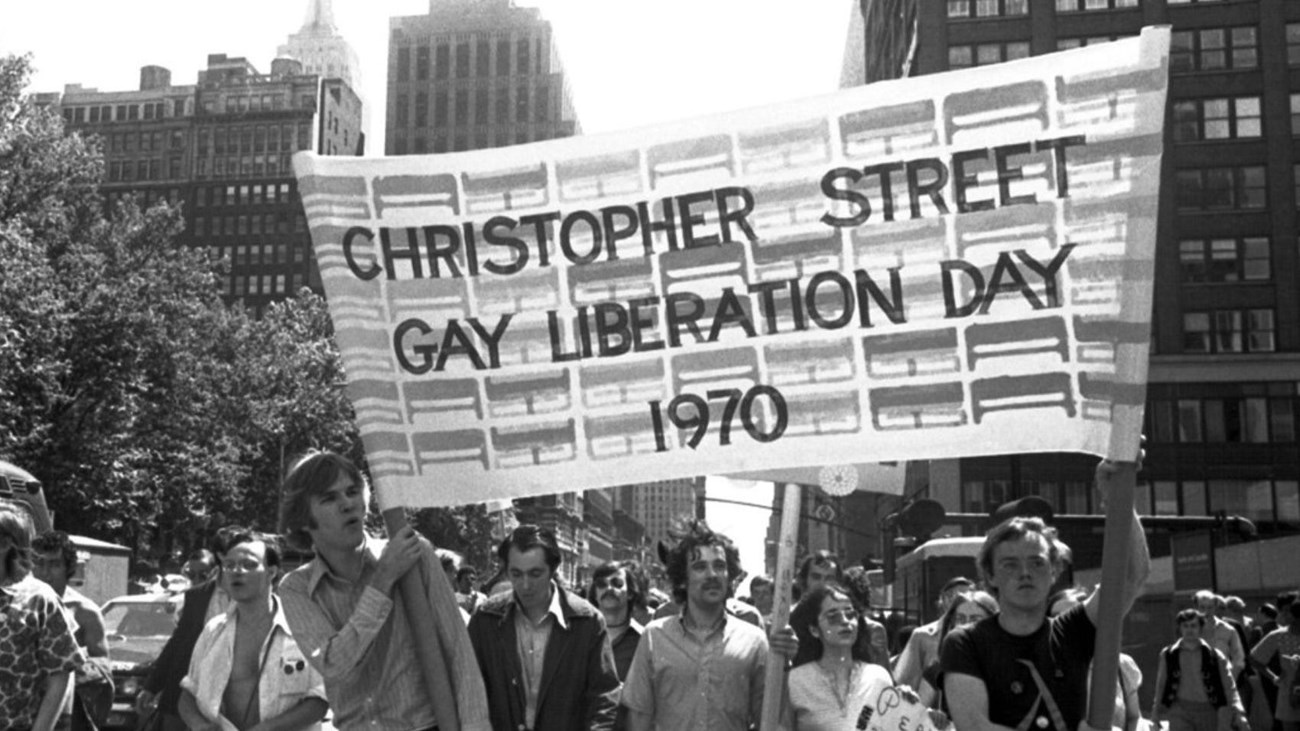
[[474, 74], [321, 49]]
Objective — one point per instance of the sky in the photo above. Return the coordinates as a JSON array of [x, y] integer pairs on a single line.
[[629, 64]]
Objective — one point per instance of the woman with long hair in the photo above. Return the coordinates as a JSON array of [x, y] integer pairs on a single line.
[[829, 693], [965, 609]]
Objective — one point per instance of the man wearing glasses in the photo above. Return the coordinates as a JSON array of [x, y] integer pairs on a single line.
[[246, 670]]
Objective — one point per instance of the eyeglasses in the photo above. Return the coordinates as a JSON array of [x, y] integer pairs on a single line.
[[841, 615]]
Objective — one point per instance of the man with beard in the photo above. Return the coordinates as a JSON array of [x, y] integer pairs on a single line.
[[543, 651], [702, 668], [246, 670]]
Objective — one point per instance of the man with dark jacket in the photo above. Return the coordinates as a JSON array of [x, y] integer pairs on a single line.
[[543, 651], [202, 602]]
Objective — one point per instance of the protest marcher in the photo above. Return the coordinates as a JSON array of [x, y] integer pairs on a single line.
[[922, 647], [466, 595], [1020, 667], [816, 570], [1276, 658], [734, 607], [38, 652], [1221, 635], [828, 693], [702, 668], [200, 566], [964, 609], [54, 561], [161, 691], [618, 590], [1128, 708], [761, 591], [342, 611], [543, 650], [1236, 613], [1195, 689], [246, 671]]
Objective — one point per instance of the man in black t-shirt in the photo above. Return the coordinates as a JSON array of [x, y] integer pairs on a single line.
[[1020, 669]]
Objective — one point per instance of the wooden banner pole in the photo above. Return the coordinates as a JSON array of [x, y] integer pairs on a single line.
[[774, 681], [428, 646], [1110, 610]]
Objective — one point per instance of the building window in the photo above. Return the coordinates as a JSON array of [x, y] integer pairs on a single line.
[[1066, 43], [439, 108], [462, 60], [1207, 189], [1221, 118], [983, 54], [1293, 44], [1229, 331], [521, 56], [421, 62], [441, 61], [462, 106], [503, 58], [421, 109], [482, 58], [1225, 260], [403, 64], [986, 8], [1214, 49], [481, 104], [1081, 6], [402, 110], [521, 104]]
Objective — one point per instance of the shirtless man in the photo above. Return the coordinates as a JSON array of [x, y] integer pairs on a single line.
[[247, 670]]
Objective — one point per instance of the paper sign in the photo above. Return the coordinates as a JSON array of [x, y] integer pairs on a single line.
[[938, 267]]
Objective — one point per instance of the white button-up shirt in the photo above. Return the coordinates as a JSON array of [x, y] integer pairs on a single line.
[[286, 676]]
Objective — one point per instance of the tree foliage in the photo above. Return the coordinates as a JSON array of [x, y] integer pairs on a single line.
[[152, 412]]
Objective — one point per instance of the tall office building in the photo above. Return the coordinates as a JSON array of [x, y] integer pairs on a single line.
[[221, 148], [321, 48], [1221, 403], [659, 505], [473, 74]]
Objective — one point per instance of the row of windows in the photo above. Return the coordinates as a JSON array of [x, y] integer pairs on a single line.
[[1008, 8], [122, 112], [1262, 501], [246, 224], [123, 171], [1229, 331], [485, 62], [254, 138], [983, 54], [1221, 188], [144, 141], [481, 140], [244, 166], [1249, 420], [145, 198], [490, 106], [1214, 49], [1241, 259], [246, 285], [260, 255], [235, 195]]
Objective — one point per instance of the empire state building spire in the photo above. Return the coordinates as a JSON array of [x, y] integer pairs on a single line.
[[320, 18]]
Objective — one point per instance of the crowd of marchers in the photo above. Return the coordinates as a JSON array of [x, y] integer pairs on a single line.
[[336, 640]]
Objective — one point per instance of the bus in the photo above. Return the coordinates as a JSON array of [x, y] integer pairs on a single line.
[[920, 574]]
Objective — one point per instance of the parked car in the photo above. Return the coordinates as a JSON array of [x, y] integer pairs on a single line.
[[136, 627]]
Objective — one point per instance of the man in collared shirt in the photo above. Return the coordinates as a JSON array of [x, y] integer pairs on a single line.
[[246, 669], [544, 651], [341, 608], [1219, 634], [702, 669], [618, 590]]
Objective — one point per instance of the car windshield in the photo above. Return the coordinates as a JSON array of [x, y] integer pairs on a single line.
[[137, 631]]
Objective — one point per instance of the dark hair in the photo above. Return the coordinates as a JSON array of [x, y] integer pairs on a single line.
[[760, 581], [15, 523], [1285, 599], [814, 601], [58, 541], [206, 556], [271, 540], [953, 583], [464, 571], [636, 582], [984, 599], [821, 558], [1014, 529], [694, 534], [311, 474], [1191, 614], [527, 537]]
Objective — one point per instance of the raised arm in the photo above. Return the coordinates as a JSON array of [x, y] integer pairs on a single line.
[[1113, 476]]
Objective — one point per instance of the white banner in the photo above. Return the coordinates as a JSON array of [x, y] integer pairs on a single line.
[[946, 266]]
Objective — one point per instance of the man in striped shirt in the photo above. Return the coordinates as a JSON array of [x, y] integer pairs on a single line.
[[341, 609]]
